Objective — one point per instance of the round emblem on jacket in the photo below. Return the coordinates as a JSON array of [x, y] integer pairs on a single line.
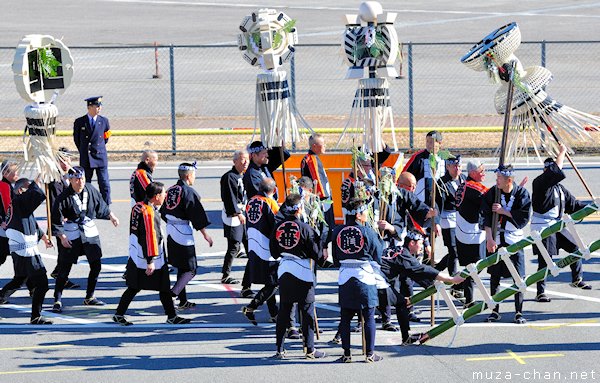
[[173, 197], [350, 240], [288, 235], [254, 210]]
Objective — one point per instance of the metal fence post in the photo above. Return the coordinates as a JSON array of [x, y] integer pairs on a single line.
[[293, 86], [543, 49], [173, 122], [411, 101]]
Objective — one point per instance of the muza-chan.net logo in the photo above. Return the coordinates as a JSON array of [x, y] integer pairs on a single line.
[[535, 376]]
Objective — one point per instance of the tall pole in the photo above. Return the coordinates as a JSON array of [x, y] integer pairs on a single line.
[[509, 97], [48, 212], [411, 98], [282, 154], [173, 114], [432, 230]]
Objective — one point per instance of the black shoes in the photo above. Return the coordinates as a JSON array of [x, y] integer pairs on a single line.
[[186, 305], [580, 284], [247, 293], [93, 302], [373, 358], [40, 320], [388, 326], [542, 298], [121, 320], [57, 307], [292, 333], [229, 281], [249, 314], [519, 319], [315, 354], [178, 320], [70, 285]]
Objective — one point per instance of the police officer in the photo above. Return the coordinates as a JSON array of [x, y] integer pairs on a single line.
[[91, 133]]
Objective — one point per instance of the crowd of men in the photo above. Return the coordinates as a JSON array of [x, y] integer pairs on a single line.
[[381, 249]]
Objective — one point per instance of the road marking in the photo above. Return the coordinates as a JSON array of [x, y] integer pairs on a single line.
[[552, 327], [558, 294], [513, 356], [41, 371], [34, 347]]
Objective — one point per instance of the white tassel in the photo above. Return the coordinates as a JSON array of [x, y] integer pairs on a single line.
[[535, 114], [277, 114], [371, 112], [40, 152]]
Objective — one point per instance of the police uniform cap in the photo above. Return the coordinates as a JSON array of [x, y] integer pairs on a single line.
[[96, 100]]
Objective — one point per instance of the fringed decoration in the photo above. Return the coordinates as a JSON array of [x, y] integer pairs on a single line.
[[40, 152], [277, 114], [371, 113]]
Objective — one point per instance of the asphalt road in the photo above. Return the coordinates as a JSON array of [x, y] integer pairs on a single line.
[[561, 338]]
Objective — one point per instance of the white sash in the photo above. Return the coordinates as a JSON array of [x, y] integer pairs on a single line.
[[448, 219], [298, 267], [259, 244], [511, 234], [180, 230], [232, 221], [381, 283], [137, 255], [22, 244], [361, 270], [72, 229], [467, 232]]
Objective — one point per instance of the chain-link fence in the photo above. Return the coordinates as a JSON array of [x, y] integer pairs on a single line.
[[166, 93]]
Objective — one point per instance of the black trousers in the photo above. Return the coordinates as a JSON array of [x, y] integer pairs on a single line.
[[182, 296], [130, 293], [64, 269], [384, 308], [307, 320], [39, 284], [266, 294], [103, 181], [403, 313], [449, 261], [233, 248], [494, 284], [553, 244], [346, 317]]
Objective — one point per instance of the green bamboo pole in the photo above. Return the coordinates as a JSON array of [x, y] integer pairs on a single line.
[[495, 258], [506, 293]]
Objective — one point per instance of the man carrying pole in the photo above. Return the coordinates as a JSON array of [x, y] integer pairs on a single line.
[[550, 201]]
